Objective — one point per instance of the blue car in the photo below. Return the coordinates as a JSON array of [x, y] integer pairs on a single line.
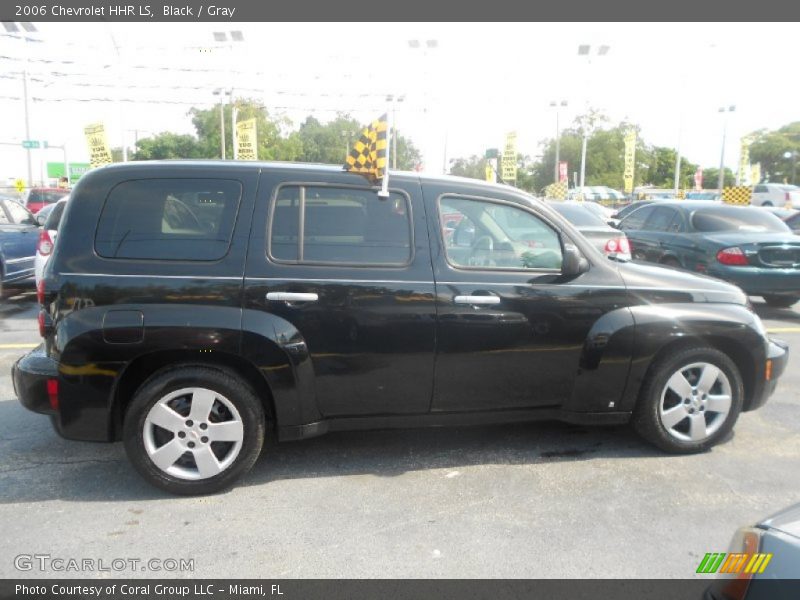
[[19, 234]]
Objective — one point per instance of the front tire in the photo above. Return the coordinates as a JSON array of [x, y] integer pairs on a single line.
[[689, 401], [780, 301], [193, 430]]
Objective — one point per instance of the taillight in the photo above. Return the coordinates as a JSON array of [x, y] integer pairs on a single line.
[[733, 256], [52, 393], [40, 292], [618, 246], [45, 246]]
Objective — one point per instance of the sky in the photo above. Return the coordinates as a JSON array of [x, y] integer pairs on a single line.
[[464, 87]]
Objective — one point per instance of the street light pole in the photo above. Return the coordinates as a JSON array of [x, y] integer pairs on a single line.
[[793, 156], [586, 50], [12, 28], [583, 160], [235, 36], [721, 178]]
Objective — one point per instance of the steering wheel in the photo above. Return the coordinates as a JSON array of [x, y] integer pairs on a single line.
[[179, 216], [482, 249]]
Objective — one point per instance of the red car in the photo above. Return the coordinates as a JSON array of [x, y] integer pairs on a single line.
[[39, 197]]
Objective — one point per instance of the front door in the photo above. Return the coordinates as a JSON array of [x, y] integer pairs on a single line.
[[512, 327], [348, 276]]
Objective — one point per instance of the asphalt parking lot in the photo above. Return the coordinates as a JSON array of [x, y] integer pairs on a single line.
[[528, 501]]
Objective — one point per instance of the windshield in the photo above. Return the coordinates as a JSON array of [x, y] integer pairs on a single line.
[[732, 218], [46, 196]]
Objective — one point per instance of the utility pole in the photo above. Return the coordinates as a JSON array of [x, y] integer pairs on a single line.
[[723, 111]]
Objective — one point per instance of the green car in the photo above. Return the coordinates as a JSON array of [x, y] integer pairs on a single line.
[[745, 245]]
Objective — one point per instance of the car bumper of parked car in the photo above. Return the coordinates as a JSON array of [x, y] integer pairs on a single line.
[[777, 359], [756, 281], [35, 378]]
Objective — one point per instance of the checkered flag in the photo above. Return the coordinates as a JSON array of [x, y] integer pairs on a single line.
[[556, 191], [368, 156], [739, 194]]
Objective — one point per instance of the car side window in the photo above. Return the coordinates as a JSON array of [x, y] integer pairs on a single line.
[[760, 189], [635, 221], [19, 214], [169, 219], [4, 220], [340, 226], [496, 235], [660, 219]]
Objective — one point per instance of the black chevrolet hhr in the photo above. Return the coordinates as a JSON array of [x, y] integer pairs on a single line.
[[190, 307]]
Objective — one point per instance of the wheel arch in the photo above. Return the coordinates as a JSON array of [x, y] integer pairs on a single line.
[[731, 347], [144, 366]]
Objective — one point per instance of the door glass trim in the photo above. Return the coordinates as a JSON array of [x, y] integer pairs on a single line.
[[521, 207], [302, 185]]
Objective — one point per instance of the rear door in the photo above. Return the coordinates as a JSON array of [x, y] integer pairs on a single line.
[[348, 276]]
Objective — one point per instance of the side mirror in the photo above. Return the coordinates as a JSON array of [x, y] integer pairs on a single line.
[[40, 219], [573, 263]]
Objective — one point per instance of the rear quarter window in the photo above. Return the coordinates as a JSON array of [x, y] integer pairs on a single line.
[[169, 219]]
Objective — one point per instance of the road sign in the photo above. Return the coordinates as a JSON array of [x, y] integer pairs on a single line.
[[20, 185], [30, 144]]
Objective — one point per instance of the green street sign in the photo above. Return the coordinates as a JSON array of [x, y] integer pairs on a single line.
[[30, 144], [55, 170]]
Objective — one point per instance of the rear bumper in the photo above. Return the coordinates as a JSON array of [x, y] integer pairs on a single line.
[[778, 354], [30, 375], [756, 281]]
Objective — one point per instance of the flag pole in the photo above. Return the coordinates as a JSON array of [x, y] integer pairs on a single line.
[[384, 193]]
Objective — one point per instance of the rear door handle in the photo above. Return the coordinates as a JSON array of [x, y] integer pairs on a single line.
[[292, 297], [477, 300]]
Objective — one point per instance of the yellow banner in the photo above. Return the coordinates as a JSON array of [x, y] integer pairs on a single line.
[[755, 173], [744, 162], [509, 164], [630, 164], [99, 152], [247, 138]]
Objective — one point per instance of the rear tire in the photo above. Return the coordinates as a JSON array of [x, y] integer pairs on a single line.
[[780, 301], [672, 262], [193, 429], [689, 401], [767, 203]]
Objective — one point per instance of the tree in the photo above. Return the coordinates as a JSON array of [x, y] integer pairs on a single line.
[[769, 148], [661, 169], [473, 167], [711, 178], [170, 145], [272, 145]]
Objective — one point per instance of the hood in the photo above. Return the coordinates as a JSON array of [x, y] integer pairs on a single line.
[[787, 521], [658, 284]]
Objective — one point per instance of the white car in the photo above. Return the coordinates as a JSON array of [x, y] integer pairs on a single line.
[[775, 194], [47, 237]]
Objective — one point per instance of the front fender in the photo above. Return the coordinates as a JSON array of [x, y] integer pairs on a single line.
[[604, 363], [731, 328]]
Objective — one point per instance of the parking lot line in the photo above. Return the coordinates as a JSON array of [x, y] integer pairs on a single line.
[[17, 346], [783, 330]]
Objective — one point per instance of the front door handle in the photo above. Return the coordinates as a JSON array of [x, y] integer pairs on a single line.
[[477, 300], [292, 297]]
